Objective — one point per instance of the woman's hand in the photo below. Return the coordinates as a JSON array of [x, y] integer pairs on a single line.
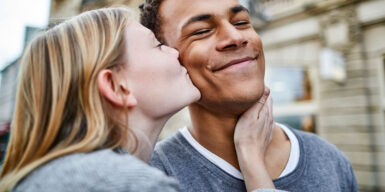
[[255, 127], [252, 136]]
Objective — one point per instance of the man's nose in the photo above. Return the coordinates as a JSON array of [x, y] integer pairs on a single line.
[[230, 38]]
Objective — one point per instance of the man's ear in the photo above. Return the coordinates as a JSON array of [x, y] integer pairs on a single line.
[[115, 91]]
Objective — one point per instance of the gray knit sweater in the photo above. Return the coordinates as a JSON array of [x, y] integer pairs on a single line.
[[103, 170], [321, 167]]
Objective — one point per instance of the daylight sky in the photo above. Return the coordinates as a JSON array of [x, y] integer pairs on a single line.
[[14, 16]]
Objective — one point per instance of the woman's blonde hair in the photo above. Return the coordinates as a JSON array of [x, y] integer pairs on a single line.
[[59, 109]]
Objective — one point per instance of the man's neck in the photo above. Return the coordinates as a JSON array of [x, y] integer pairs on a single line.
[[215, 132]]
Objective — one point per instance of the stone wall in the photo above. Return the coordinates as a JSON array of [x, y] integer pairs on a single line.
[[349, 113], [8, 90], [61, 9]]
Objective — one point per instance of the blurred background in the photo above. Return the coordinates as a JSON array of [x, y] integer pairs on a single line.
[[325, 66]]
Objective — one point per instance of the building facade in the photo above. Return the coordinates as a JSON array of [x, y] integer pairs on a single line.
[[325, 68], [337, 48], [8, 88], [63, 9], [7, 101]]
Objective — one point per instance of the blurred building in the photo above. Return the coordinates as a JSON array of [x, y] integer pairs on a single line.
[[325, 67], [8, 92], [7, 101], [63, 9]]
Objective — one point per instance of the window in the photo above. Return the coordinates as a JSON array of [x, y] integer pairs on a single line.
[[302, 122], [289, 84], [292, 92]]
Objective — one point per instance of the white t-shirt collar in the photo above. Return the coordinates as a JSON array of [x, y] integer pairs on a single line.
[[228, 168]]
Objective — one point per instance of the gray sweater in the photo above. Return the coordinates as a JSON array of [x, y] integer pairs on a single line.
[[321, 167], [103, 170]]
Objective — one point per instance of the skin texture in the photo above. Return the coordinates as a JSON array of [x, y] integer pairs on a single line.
[[148, 89], [220, 40], [252, 135], [211, 35], [160, 83]]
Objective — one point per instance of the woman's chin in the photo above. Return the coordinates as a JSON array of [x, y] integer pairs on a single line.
[[197, 95], [191, 96]]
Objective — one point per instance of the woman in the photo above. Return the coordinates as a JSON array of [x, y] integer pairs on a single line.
[[94, 93]]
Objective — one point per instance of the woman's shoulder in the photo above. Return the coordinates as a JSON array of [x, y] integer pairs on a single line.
[[102, 170]]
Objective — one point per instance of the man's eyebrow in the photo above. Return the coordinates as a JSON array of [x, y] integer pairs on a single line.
[[238, 9], [197, 18]]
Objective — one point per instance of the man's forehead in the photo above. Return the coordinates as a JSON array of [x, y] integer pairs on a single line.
[[181, 10], [175, 13]]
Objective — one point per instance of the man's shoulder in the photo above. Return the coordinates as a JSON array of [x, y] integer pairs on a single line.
[[312, 139], [323, 162], [315, 146], [171, 145], [173, 153], [172, 140]]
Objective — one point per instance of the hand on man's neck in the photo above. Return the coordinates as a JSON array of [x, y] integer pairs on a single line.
[[215, 132]]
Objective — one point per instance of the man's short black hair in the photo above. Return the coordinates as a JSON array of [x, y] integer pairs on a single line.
[[150, 18]]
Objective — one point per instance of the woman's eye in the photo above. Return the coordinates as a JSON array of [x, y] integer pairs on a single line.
[[200, 32], [160, 45]]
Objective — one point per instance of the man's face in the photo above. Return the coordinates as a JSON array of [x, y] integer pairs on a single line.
[[220, 49]]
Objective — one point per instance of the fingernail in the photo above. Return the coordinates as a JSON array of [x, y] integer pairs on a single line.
[[267, 93]]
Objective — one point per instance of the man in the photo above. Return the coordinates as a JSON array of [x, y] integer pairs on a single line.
[[224, 57]]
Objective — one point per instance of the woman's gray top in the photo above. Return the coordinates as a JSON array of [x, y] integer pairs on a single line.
[[103, 170]]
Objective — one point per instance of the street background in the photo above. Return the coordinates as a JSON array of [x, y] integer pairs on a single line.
[[325, 64]]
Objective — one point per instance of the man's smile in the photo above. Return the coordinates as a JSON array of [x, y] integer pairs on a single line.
[[236, 63]]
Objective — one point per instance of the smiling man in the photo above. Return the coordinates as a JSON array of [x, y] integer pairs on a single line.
[[224, 57]]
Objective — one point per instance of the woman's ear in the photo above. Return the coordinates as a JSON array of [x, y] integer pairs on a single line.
[[115, 91]]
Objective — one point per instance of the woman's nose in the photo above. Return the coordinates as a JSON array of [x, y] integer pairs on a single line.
[[172, 51]]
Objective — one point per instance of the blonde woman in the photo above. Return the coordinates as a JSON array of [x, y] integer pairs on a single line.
[[94, 93]]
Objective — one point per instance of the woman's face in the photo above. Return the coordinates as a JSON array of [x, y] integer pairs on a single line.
[[159, 82]]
